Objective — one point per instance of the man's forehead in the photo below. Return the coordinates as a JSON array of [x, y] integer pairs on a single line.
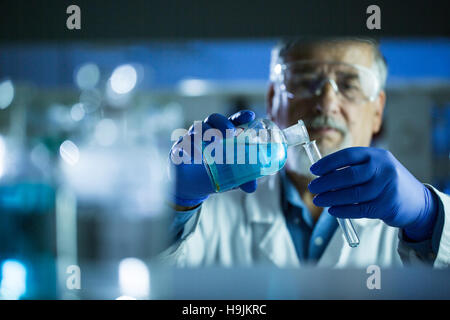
[[343, 51]]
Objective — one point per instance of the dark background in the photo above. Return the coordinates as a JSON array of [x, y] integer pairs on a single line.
[[37, 20]]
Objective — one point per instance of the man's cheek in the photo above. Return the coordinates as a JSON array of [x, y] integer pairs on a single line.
[[332, 145], [360, 134], [298, 111], [361, 125]]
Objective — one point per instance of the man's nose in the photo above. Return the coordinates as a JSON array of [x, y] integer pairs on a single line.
[[328, 98]]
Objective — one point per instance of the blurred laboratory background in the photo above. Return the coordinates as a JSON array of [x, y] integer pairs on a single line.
[[85, 131]]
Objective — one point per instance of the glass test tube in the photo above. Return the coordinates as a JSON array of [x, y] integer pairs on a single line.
[[345, 224]]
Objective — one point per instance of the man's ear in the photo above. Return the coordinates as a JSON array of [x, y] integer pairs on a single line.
[[269, 99], [379, 109]]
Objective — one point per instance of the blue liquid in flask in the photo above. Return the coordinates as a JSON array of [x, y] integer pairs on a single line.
[[261, 151], [271, 157]]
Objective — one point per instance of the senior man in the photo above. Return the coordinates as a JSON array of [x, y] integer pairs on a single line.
[[336, 86]]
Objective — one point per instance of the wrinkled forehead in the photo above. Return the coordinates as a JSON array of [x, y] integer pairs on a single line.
[[351, 52]]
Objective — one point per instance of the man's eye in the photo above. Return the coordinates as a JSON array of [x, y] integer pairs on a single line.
[[349, 85], [303, 81]]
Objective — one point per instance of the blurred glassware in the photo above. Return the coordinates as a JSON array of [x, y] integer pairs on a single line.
[[87, 76], [6, 93]]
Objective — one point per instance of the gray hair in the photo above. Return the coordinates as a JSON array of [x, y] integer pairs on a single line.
[[280, 51]]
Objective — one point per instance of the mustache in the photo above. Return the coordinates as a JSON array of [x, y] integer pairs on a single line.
[[325, 121]]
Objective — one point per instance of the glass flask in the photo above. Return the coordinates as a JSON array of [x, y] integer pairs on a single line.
[[256, 149]]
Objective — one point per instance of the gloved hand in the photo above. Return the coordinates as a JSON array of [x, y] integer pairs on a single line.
[[192, 184], [374, 185]]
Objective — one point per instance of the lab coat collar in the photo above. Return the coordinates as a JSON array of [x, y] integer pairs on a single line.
[[264, 205], [263, 209]]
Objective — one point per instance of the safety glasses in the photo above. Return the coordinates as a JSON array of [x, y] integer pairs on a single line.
[[307, 78]]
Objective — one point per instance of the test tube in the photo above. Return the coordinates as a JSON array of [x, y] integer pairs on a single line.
[[346, 224]]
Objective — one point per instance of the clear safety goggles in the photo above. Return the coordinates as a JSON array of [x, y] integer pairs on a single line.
[[307, 78]]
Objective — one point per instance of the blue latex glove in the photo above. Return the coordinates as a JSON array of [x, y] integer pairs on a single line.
[[192, 184], [374, 185]]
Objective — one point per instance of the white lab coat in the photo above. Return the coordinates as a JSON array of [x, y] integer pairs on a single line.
[[240, 229]]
